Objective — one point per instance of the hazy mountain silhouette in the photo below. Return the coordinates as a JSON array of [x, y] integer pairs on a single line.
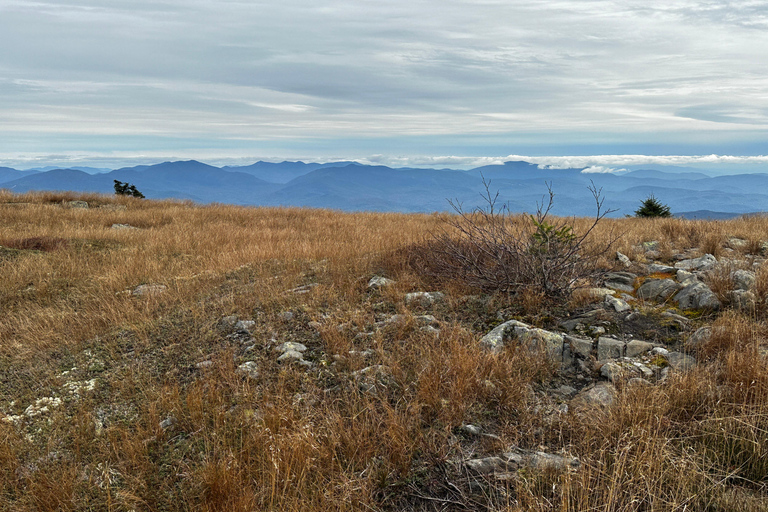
[[353, 186]]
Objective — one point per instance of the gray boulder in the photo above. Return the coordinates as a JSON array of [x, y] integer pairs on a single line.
[[697, 296], [705, 262], [743, 279], [622, 281], [609, 348], [657, 289]]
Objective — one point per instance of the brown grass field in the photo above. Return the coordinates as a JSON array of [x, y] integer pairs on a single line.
[[89, 371]]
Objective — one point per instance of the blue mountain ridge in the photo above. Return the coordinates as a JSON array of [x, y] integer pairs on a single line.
[[351, 186]]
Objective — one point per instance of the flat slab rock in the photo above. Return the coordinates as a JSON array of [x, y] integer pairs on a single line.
[[518, 458]]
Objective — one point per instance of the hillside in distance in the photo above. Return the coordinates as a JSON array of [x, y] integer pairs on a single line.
[[350, 186]]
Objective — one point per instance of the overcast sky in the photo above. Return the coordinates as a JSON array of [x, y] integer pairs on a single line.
[[438, 82]]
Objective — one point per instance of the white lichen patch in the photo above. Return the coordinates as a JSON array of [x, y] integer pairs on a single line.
[[77, 388]]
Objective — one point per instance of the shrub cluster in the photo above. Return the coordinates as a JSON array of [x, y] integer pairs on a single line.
[[126, 189], [497, 251]]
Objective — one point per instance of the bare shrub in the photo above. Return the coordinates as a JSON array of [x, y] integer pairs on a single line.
[[534, 255]]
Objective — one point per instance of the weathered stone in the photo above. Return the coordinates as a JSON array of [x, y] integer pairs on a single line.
[[423, 298], [636, 347], [743, 279], [379, 282], [599, 292], [697, 296], [646, 372], [618, 305], [612, 371], [658, 268], [737, 243], [495, 339], [622, 281], [123, 226], [657, 289], [705, 262], [228, 322], [540, 339], [623, 259], [149, 290], [168, 422], [699, 338], [488, 465], [580, 346], [245, 325], [650, 246], [743, 299], [249, 369], [290, 356], [539, 460], [77, 204], [609, 348], [685, 278], [669, 318], [290, 345], [680, 361], [470, 429], [204, 364], [602, 394]]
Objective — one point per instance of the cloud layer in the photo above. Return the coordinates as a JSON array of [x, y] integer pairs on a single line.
[[285, 78]]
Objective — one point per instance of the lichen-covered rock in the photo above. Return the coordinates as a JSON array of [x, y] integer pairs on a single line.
[[743, 279], [657, 289], [495, 339], [705, 262], [609, 348], [636, 347], [697, 296], [423, 298], [379, 282], [622, 281]]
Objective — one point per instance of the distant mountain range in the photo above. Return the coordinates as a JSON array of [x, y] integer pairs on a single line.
[[352, 186]]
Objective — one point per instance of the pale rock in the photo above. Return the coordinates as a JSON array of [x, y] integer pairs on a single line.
[[290, 356], [744, 279], [291, 346], [636, 347], [623, 259], [705, 262], [658, 268], [697, 296], [423, 298], [622, 281], [249, 369], [609, 348], [657, 289], [149, 290], [379, 282], [618, 305]]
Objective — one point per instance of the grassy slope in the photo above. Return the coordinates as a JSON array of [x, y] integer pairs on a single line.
[[297, 439]]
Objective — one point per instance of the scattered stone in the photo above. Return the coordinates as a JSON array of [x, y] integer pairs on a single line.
[[290, 356], [743, 299], [423, 298], [602, 394], [657, 289], [579, 346], [737, 243], [699, 338], [637, 347], [622, 281], [286, 316], [609, 348], [678, 320], [658, 268], [496, 339], [291, 346], [204, 364], [228, 323], [470, 429], [599, 293], [488, 465], [303, 289], [685, 278], [168, 422], [697, 296], [618, 305], [123, 226], [615, 371], [623, 259], [540, 460], [149, 290], [379, 282], [660, 351], [650, 246], [743, 279], [680, 361], [245, 325], [77, 204], [705, 262], [249, 369]]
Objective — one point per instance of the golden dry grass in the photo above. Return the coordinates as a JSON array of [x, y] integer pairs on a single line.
[[322, 439]]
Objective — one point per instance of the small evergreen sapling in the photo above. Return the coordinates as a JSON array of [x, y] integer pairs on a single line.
[[126, 189], [652, 207]]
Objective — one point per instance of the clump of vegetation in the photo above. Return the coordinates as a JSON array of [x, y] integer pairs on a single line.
[[652, 207], [496, 250], [127, 189]]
